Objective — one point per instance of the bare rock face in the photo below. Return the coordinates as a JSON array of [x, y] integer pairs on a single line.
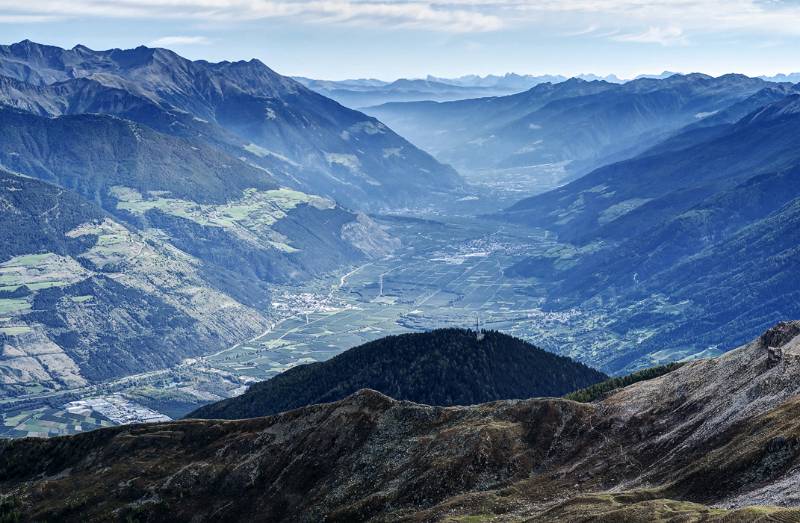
[[714, 433]]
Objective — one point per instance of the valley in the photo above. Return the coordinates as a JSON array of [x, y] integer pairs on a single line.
[[251, 225], [399, 261], [448, 272], [444, 275]]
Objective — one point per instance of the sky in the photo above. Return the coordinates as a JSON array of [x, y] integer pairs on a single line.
[[389, 39]]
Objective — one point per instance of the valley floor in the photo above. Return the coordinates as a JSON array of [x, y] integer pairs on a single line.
[[448, 273]]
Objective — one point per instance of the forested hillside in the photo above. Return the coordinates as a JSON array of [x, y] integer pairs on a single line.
[[441, 367]]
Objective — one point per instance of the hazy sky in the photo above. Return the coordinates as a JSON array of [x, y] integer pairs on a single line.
[[337, 39]]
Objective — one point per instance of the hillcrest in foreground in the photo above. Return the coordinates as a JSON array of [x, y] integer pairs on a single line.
[[719, 433]]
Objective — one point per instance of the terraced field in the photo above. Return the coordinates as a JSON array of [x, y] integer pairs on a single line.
[[249, 218], [44, 421], [22, 277]]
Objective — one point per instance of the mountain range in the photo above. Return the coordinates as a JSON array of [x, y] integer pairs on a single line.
[[171, 196], [243, 178], [303, 140], [363, 93], [791, 77], [577, 124], [713, 440], [174, 230], [366, 93], [705, 219]]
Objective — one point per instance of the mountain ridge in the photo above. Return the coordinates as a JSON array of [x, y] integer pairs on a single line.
[[584, 124], [716, 432], [311, 142], [676, 222]]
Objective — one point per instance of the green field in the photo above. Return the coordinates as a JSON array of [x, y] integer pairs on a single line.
[[8, 305], [44, 422], [28, 260], [16, 330], [37, 272], [255, 208]]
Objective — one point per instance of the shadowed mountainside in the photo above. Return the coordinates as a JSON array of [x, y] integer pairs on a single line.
[[707, 221]]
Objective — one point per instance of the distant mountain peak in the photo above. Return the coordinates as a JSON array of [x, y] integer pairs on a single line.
[[782, 77], [28, 48]]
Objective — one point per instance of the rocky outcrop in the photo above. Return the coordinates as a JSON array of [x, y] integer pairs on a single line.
[[369, 237], [780, 334]]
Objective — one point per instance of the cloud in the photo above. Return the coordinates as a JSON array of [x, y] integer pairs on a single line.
[[25, 19], [665, 36], [166, 41], [634, 21], [582, 32], [401, 14], [376, 13]]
